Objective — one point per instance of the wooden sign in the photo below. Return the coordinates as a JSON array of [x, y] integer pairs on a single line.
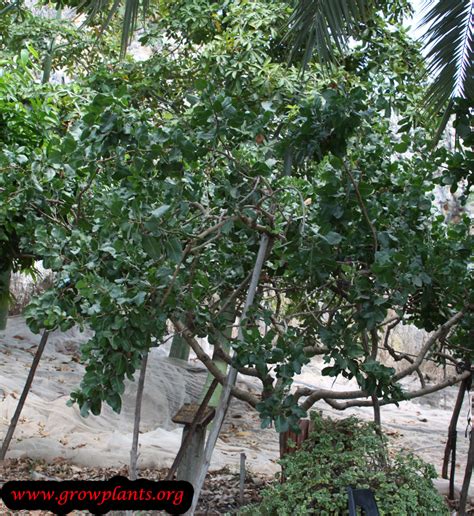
[[187, 413]]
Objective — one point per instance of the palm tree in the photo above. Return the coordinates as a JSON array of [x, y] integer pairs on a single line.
[[323, 26]]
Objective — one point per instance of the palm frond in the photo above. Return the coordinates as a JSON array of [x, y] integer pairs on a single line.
[[322, 25], [108, 9], [9, 7], [449, 40], [130, 18]]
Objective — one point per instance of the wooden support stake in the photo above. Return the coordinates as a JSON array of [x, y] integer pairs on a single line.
[[242, 477], [24, 394], [136, 424]]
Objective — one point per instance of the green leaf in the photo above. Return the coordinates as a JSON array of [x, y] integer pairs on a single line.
[[200, 84], [401, 146], [174, 249], [281, 424], [159, 212], [333, 238], [152, 247], [85, 407], [24, 56]]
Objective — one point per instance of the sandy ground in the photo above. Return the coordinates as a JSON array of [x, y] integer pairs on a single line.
[[50, 430]]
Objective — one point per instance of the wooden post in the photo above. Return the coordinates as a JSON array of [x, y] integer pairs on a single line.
[[242, 478], [469, 466], [187, 436], [136, 424], [24, 394], [193, 453]]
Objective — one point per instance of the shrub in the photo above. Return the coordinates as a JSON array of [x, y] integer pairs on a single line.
[[345, 453]]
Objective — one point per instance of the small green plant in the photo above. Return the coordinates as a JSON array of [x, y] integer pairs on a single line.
[[345, 453]]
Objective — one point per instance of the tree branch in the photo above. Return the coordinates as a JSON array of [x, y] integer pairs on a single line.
[[209, 363], [440, 332], [314, 395], [362, 206], [408, 396]]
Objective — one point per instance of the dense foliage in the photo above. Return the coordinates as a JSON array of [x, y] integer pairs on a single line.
[[149, 186], [347, 452]]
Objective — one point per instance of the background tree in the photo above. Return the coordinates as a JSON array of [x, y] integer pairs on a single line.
[[33, 112]]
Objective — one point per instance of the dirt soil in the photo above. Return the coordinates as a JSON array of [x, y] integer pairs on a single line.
[[220, 494]]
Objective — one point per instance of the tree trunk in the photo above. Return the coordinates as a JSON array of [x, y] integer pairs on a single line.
[[231, 378], [179, 348], [452, 474], [48, 59], [223, 342], [377, 416]]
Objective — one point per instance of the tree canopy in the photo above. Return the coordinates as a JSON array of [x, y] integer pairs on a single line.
[[146, 187]]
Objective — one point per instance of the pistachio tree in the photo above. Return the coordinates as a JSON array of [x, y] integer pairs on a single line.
[[154, 198]]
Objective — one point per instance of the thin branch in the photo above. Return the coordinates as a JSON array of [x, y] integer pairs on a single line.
[[234, 294], [175, 275], [315, 350], [82, 192], [49, 217], [362, 206], [314, 395], [421, 378], [375, 344], [24, 394], [397, 356]]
